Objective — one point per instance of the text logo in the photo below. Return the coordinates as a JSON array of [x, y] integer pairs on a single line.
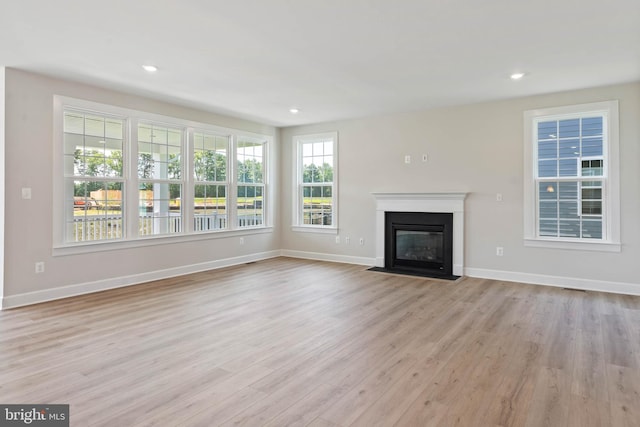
[[34, 415]]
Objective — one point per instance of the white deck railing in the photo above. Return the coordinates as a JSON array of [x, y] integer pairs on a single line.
[[110, 227]]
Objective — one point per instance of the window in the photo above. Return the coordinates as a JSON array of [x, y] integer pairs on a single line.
[[210, 185], [250, 161], [316, 189], [130, 176], [159, 179], [572, 193], [93, 175]]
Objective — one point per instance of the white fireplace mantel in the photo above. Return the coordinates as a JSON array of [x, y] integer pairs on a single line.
[[423, 202]]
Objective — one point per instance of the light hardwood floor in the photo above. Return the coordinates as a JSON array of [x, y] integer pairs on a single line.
[[292, 342]]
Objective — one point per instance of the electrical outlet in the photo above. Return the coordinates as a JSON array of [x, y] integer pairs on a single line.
[[347, 240], [499, 197], [242, 240], [407, 159], [361, 241], [499, 251], [39, 267], [26, 193]]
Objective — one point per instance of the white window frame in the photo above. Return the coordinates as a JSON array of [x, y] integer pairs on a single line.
[[298, 224], [130, 196], [610, 241]]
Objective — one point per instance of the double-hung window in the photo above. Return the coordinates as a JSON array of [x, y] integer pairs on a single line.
[[250, 158], [316, 184], [159, 178], [571, 193], [210, 201], [93, 147]]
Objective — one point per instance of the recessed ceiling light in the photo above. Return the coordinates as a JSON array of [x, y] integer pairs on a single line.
[[294, 110], [517, 76], [150, 68]]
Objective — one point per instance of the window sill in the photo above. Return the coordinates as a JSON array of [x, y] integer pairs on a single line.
[[316, 229], [573, 245], [102, 246]]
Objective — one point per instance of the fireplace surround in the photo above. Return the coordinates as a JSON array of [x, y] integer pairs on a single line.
[[432, 203]]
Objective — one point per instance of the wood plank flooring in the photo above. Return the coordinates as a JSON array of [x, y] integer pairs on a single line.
[[288, 342]]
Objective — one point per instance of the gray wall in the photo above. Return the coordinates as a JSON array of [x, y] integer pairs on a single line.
[[477, 149], [28, 226], [474, 148]]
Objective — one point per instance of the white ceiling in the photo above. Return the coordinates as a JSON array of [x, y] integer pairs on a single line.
[[333, 59]]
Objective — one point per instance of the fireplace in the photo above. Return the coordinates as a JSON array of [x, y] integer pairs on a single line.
[[418, 237], [419, 243]]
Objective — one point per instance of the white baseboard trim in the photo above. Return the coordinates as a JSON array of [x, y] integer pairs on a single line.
[[557, 281], [329, 257], [36, 297]]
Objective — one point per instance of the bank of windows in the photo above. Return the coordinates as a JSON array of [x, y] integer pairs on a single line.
[[95, 164], [572, 175], [316, 181]]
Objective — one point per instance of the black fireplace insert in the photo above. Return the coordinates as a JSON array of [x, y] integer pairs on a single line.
[[419, 243]]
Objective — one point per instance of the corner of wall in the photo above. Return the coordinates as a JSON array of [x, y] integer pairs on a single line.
[[2, 142]]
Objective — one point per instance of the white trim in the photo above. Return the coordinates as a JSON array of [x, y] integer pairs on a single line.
[[163, 239], [312, 229], [556, 281], [36, 297], [451, 202], [2, 176], [597, 246], [611, 180], [317, 256]]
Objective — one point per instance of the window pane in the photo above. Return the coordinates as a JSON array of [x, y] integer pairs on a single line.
[[93, 211], [310, 173], [568, 167], [209, 205], [592, 229], [210, 157], [250, 161], [548, 190], [73, 123], [548, 210], [569, 228], [592, 168], [250, 205], [568, 190], [159, 152], [569, 128], [88, 152], [591, 147], [547, 168], [548, 150], [592, 126], [548, 130], [570, 148], [591, 207], [159, 209], [93, 125], [311, 206], [568, 210], [549, 227], [591, 193]]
